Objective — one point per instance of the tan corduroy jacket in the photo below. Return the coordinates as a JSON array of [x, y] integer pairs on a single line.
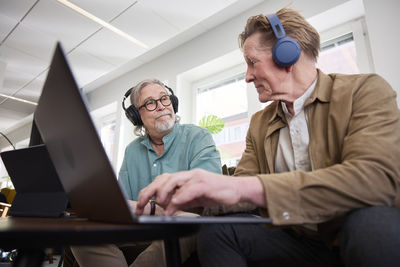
[[354, 127]]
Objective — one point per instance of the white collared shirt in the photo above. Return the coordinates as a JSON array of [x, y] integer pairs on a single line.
[[292, 153]]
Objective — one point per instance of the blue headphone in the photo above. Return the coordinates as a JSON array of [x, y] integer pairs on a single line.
[[286, 50]]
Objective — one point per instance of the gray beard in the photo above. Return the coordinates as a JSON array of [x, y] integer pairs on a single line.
[[165, 125]]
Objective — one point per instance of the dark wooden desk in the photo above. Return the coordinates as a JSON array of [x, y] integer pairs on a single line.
[[31, 235]]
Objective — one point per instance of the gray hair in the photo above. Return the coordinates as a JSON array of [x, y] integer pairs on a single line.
[[140, 130]]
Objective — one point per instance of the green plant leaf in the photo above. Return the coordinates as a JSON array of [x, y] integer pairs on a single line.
[[212, 123]]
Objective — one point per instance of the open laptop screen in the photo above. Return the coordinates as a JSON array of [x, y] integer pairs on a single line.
[[75, 148]]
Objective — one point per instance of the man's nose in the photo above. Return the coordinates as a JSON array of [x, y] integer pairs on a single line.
[[249, 76], [160, 106]]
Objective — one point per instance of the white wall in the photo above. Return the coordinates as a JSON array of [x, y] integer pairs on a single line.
[[382, 18]]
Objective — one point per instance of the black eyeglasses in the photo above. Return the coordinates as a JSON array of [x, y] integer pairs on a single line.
[[152, 104]]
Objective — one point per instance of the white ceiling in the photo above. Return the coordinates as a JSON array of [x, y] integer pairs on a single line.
[[29, 30]]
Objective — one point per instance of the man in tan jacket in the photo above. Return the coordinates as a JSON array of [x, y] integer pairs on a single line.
[[322, 161]]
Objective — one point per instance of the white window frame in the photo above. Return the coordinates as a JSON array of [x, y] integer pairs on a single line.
[[359, 30], [213, 80]]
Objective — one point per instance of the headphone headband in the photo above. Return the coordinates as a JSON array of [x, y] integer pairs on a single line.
[[128, 93], [276, 26]]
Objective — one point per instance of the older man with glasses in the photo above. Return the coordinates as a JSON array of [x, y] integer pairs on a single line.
[[164, 146]]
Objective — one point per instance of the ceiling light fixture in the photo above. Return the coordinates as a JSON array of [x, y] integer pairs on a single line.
[[18, 99], [102, 22]]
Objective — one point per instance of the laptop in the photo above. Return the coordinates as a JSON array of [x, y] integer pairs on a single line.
[[80, 160], [39, 191]]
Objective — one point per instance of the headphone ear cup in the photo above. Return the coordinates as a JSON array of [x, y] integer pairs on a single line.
[[175, 102], [133, 115], [286, 52]]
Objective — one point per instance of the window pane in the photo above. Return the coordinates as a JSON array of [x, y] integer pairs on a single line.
[[223, 100], [227, 100], [339, 56]]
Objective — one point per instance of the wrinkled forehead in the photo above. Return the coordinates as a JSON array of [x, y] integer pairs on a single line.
[[153, 91], [254, 45]]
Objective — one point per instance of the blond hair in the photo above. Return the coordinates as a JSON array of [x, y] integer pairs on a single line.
[[295, 25]]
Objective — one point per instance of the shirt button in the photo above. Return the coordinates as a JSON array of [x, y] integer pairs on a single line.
[[154, 165], [286, 215]]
